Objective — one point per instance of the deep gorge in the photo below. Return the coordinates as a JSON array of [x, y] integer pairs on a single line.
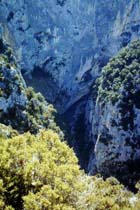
[[61, 49]]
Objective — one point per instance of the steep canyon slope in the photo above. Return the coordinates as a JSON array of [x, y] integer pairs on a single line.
[[117, 116], [62, 45]]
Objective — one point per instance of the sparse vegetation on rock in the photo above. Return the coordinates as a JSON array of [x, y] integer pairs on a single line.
[[20, 106], [38, 171], [117, 147]]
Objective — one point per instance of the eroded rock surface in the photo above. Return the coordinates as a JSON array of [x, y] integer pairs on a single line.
[[21, 107], [62, 45], [117, 111]]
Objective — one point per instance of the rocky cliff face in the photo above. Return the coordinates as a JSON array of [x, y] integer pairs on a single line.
[[20, 107], [62, 45], [117, 116]]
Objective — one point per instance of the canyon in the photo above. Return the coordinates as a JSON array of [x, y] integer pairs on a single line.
[[61, 47]]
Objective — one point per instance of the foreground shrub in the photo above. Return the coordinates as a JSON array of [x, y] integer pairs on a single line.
[[40, 171], [106, 195]]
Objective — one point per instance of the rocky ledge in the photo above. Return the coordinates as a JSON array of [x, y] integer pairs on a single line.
[[117, 116]]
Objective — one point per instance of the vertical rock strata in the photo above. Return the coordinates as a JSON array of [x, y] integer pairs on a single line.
[[117, 115], [61, 47]]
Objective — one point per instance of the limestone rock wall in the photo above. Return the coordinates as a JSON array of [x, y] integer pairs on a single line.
[[62, 45], [116, 118]]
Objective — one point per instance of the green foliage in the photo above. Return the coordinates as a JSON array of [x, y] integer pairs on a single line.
[[121, 73], [42, 173], [41, 170], [21, 107], [119, 84], [39, 113], [7, 132], [6, 55], [101, 195]]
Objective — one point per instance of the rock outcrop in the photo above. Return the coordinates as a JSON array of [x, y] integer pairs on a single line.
[[21, 107], [117, 116], [61, 47]]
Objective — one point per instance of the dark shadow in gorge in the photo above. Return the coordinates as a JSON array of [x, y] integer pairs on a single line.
[[76, 131], [74, 125], [72, 122]]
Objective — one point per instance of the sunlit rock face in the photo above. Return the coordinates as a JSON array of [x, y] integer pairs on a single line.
[[20, 107], [116, 121], [62, 45]]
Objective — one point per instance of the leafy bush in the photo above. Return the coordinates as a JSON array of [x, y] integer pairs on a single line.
[[42, 173], [122, 72], [105, 195], [38, 172]]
